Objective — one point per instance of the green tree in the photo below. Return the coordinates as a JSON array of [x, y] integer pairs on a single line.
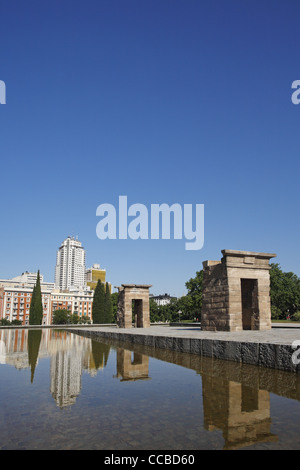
[[98, 309], [189, 305], [36, 306], [168, 312], [74, 318], [284, 292], [186, 305], [194, 287], [114, 300], [61, 317], [108, 305], [85, 319], [155, 313]]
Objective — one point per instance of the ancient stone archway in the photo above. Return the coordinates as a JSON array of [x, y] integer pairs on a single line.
[[139, 294], [236, 292]]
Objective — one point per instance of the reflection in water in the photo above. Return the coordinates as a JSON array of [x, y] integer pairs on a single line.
[[132, 366], [65, 372], [242, 412], [100, 354], [70, 355], [235, 397], [34, 341]]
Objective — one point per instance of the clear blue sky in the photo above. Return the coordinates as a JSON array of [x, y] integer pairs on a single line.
[[164, 101]]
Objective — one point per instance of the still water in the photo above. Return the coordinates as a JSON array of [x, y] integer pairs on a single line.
[[59, 390]]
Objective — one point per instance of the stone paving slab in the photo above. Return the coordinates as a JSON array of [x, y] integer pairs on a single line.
[[272, 348]]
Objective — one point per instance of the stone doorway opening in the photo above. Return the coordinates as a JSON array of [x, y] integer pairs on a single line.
[[250, 313], [137, 308]]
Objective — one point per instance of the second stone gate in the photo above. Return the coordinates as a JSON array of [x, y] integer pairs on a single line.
[[133, 306]]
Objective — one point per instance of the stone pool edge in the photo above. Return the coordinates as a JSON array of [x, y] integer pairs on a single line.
[[263, 354]]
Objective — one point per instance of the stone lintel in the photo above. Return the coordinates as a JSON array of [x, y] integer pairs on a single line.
[[255, 254], [137, 286], [247, 259]]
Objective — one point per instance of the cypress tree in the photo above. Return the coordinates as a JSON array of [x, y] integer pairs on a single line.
[[32, 307], [98, 311], [108, 305], [36, 306]]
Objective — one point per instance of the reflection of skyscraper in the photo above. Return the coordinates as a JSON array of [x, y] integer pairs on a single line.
[[66, 370], [2, 352]]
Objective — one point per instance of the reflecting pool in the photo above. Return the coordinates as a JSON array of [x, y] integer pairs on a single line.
[[60, 390]]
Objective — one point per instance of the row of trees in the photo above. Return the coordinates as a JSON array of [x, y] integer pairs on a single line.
[[63, 316], [102, 304], [187, 307], [5, 322]]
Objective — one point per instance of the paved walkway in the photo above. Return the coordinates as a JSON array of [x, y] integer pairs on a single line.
[[277, 335]]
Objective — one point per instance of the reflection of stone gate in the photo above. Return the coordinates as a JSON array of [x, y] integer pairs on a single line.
[[240, 410], [139, 294], [236, 292], [132, 365]]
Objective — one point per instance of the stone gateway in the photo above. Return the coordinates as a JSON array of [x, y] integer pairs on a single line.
[[133, 300], [236, 292]]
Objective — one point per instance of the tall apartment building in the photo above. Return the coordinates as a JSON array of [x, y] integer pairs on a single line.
[[70, 265]]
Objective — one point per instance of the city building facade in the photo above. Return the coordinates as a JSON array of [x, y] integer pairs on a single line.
[[15, 299], [163, 299], [79, 303], [95, 274], [72, 290]]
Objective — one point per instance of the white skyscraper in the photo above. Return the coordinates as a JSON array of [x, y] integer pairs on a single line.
[[70, 265]]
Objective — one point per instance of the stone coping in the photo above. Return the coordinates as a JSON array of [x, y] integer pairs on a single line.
[[271, 349], [258, 254]]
